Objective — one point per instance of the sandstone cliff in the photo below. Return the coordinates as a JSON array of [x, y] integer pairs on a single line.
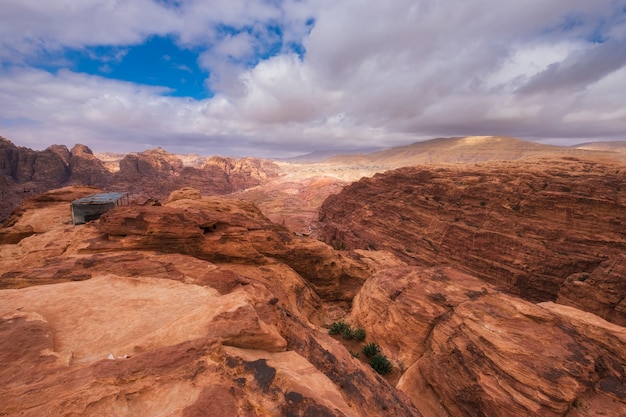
[[533, 228], [150, 174], [202, 306], [466, 349], [196, 307]]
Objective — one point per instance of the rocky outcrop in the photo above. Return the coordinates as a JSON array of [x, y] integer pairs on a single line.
[[150, 174], [466, 349], [204, 304], [25, 172], [225, 230], [523, 226], [602, 291], [156, 173], [133, 323], [25, 166], [87, 170], [41, 213]]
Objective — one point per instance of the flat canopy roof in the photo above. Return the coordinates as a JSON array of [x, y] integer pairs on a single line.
[[103, 198]]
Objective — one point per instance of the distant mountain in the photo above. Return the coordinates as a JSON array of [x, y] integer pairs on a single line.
[[24, 172], [470, 149], [323, 155], [611, 146]]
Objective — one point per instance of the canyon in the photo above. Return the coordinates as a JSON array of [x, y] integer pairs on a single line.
[[488, 270]]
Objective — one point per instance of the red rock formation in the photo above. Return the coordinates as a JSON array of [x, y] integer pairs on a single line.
[[603, 291], [86, 169], [466, 349], [134, 325], [156, 173], [523, 226], [150, 174], [224, 230]]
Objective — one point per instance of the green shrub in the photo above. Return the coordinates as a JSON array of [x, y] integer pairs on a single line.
[[339, 327], [347, 334], [346, 331], [358, 335], [371, 349], [380, 364]]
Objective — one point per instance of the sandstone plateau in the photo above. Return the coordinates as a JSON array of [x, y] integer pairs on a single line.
[[494, 287]]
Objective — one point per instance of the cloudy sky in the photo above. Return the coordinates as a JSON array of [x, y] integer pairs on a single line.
[[286, 77]]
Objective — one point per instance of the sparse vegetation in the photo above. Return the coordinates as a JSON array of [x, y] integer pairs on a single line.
[[346, 331], [358, 335], [339, 327], [371, 349], [380, 364]]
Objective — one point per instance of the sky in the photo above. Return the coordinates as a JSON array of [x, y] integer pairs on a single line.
[[278, 78]]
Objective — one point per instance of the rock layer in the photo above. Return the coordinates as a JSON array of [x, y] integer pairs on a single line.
[[523, 226], [150, 174], [131, 322], [469, 350]]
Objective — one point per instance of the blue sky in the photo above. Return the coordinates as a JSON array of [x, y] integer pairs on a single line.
[[286, 77], [158, 61]]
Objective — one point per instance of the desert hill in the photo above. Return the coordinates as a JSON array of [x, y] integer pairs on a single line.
[[618, 146], [470, 149]]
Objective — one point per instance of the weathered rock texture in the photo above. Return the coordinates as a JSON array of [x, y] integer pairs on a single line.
[[470, 350], [203, 306], [156, 173], [187, 309], [526, 227], [150, 174]]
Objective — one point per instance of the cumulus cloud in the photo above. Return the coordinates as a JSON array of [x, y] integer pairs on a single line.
[[293, 76]]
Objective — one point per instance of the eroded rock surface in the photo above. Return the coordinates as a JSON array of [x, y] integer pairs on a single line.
[[204, 306], [523, 226], [467, 349], [156, 173], [145, 312], [149, 174]]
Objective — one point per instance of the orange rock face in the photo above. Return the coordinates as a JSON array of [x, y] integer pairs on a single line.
[[156, 173], [204, 306], [467, 349], [153, 311], [525, 227], [150, 174]]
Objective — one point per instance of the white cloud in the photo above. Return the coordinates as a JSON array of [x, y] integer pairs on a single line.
[[374, 73], [29, 26]]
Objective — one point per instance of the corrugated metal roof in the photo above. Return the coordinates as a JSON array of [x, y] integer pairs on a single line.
[[102, 198]]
